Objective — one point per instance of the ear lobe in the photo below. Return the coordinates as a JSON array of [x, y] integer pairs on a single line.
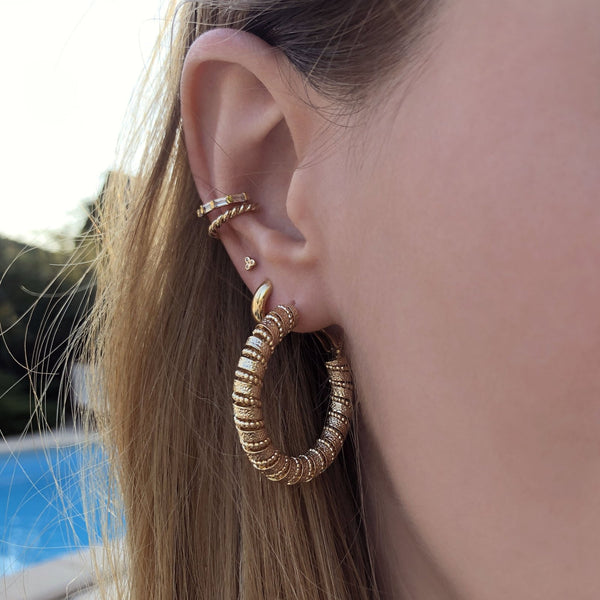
[[244, 129]]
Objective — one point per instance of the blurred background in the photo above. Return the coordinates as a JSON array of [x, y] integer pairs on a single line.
[[69, 69]]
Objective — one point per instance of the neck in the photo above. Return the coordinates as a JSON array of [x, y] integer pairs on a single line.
[[403, 565]]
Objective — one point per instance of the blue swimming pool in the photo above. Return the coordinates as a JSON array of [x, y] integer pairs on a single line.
[[41, 506]]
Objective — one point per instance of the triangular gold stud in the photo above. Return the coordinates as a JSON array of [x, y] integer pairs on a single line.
[[249, 263]]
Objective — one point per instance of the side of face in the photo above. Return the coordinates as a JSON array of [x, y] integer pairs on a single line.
[[468, 212], [454, 235]]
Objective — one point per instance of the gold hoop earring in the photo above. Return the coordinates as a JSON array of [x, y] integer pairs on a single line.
[[240, 209], [247, 404]]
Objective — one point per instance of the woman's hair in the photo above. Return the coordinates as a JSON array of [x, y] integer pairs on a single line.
[[169, 321]]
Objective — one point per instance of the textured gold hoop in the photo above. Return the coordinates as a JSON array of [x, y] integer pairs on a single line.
[[240, 209], [247, 405]]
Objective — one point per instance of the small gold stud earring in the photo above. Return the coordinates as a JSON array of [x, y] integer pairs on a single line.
[[249, 263]]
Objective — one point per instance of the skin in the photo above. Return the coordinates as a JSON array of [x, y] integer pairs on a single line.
[[453, 234]]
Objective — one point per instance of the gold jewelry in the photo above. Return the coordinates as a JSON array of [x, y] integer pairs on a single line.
[[240, 209], [247, 405], [220, 202], [249, 263], [259, 300]]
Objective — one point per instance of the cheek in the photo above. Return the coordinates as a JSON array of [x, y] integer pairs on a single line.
[[492, 282], [510, 263], [508, 218]]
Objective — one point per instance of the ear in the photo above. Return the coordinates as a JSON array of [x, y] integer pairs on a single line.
[[248, 125]]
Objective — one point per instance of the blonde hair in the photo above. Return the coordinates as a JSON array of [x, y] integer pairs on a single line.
[[167, 327]]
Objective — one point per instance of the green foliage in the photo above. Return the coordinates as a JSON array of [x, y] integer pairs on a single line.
[[44, 295], [14, 405]]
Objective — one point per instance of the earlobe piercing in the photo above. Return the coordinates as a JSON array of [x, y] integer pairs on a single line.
[[249, 263]]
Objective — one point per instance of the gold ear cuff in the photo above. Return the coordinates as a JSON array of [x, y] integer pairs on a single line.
[[213, 228], [220, 202], [240, 205]]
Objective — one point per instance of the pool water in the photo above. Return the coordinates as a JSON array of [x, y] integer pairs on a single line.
[[41, 506]]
